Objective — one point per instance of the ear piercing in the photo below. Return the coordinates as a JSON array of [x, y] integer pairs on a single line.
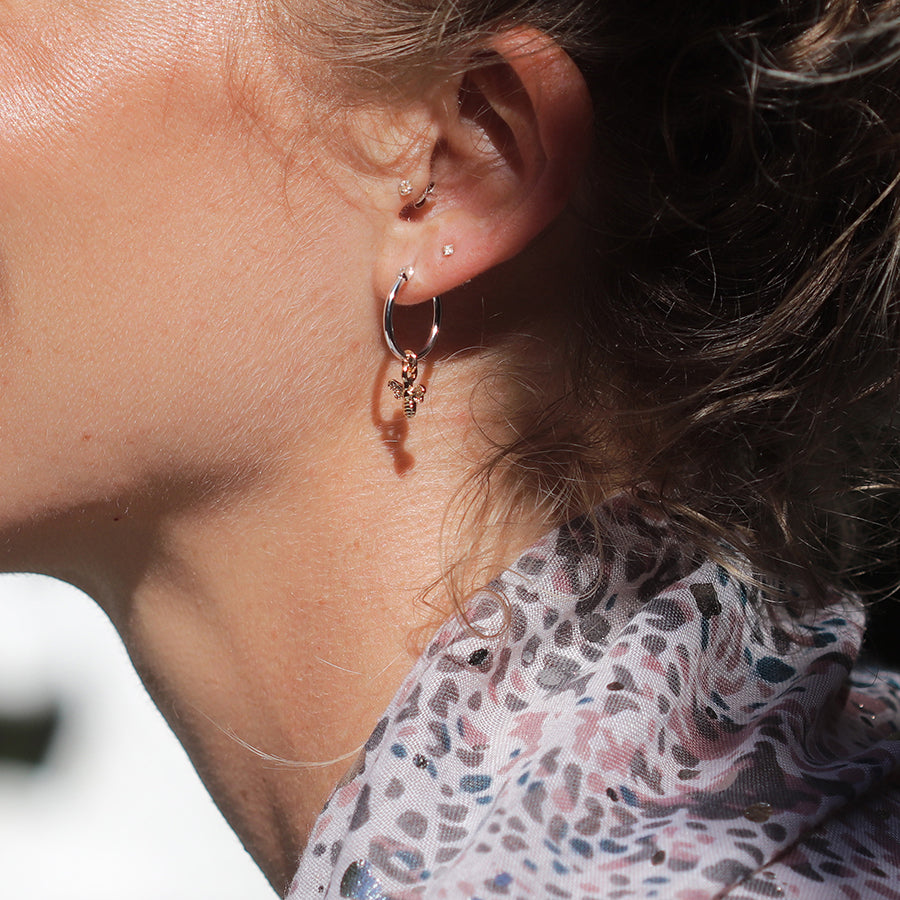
[[407, 391], [405, 189], [426, 194], [448, 250]]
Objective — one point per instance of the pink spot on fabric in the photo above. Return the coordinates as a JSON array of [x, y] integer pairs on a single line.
[[323, 823], [595, 782], [529, 727], [561, 581], [473, 736], [586, 733], [562, 800], [347, 795], [652, 664]]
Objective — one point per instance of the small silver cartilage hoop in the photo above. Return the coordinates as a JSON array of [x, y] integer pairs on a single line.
[[400, 353], [418, 204]]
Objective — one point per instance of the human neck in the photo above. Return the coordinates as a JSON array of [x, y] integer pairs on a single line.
[[279, 622], [255, 658], [285, 627]]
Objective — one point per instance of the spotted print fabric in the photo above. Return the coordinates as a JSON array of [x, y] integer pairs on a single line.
[[647, 725]]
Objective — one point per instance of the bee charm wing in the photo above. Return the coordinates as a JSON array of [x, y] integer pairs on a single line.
[[408, 392]]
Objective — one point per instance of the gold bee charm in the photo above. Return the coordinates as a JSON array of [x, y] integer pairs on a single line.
[[409, 393]]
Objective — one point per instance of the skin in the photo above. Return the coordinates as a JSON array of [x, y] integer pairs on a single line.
[[196, 425]]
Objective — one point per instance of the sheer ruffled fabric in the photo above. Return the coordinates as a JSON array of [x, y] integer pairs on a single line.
[[648, 725]]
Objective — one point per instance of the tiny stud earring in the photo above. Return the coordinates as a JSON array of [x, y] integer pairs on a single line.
[[407, 391], [448, 250], [405, 188], [418, 204]]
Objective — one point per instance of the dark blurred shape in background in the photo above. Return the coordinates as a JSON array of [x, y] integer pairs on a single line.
[[26, 737]]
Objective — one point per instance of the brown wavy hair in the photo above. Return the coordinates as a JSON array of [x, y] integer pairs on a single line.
[[741, 258]]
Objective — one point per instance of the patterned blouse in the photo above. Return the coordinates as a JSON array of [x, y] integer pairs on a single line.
[[647, 725]]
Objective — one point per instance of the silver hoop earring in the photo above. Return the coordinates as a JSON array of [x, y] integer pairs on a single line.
[[407, 391], [425, 196]]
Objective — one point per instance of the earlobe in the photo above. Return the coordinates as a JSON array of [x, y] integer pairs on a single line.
[[512, 141]]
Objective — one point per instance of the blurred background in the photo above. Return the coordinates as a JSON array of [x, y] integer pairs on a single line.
[[97, 799]]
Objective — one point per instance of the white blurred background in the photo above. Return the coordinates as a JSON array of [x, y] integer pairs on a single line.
[[115, 810]]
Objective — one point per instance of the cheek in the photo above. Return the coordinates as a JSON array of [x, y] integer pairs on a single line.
[[137, 223], [99, 147]]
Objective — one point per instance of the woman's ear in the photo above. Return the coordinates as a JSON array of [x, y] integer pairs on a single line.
[[508, 144]]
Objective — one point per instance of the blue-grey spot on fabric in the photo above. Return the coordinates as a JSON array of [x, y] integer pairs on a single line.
[[774, 670]]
